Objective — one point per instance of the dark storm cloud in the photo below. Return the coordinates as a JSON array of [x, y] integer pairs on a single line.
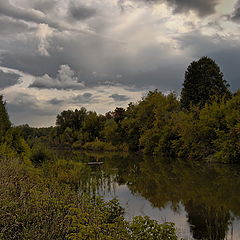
[[150, 67], [24, 108], [84, 54], [81, 12], [202, 7], [118, 97], [236, 13], [25, 60], [25, 103], [28, 15], [226, 53], [228, 60], [8, 79], [165, 78]]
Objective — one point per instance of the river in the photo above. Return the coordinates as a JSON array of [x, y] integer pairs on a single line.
[[203, 200]]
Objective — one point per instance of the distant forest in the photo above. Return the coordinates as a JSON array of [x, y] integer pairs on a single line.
[[203, 123]]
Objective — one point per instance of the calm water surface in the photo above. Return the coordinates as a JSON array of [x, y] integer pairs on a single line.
[[202, 200]]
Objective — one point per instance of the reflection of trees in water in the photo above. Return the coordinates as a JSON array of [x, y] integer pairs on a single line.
[[98, 181], [204, 190], [207, 222], [102, 179]]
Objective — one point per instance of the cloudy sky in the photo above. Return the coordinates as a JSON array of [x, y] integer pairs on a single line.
[[65, 54]]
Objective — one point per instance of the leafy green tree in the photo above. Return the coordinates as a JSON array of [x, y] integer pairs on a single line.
[[118, 114], [157, 137], [67, 136], [71, 119], [5, 123], [227, 143], [203, 82], [110, 132], [130, 128], [91, 125]]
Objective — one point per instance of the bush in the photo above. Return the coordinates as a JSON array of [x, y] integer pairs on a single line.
[[144, 228], [99, 146], [40, 154], [31, 207]]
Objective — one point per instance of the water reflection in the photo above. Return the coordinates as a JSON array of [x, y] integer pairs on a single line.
[[206, 197], [207, 222]]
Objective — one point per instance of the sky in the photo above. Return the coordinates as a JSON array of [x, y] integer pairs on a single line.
[[99, 54]]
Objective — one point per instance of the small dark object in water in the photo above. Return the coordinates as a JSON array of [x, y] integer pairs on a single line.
[[95, 163]]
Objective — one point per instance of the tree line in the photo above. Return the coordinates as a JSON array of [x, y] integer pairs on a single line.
[[204, 123]]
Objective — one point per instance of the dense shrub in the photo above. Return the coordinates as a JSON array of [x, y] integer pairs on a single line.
[[40, 154], [99, 146]]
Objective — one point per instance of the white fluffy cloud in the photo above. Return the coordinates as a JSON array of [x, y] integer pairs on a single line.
[[66, 79]]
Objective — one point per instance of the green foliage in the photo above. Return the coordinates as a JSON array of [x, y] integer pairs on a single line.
[[110, 132], [30, 206], [30, 133], [15, 141], [40, 154], [131, 130], [67, 135], [203, 83], [108, 223], [6, 151], [67, 172], [158, 135], [144, 228], [79, 126], [97, 220], [157, 125], [71, 119], [228, 146], [203, 125], [99, 146], [92, 125], [5, 123]]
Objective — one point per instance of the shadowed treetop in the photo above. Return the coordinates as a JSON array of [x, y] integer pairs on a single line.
[[203, 83]]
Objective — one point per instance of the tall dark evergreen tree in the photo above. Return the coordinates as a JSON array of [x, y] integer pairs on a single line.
[[203, 83], [5, 123]]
